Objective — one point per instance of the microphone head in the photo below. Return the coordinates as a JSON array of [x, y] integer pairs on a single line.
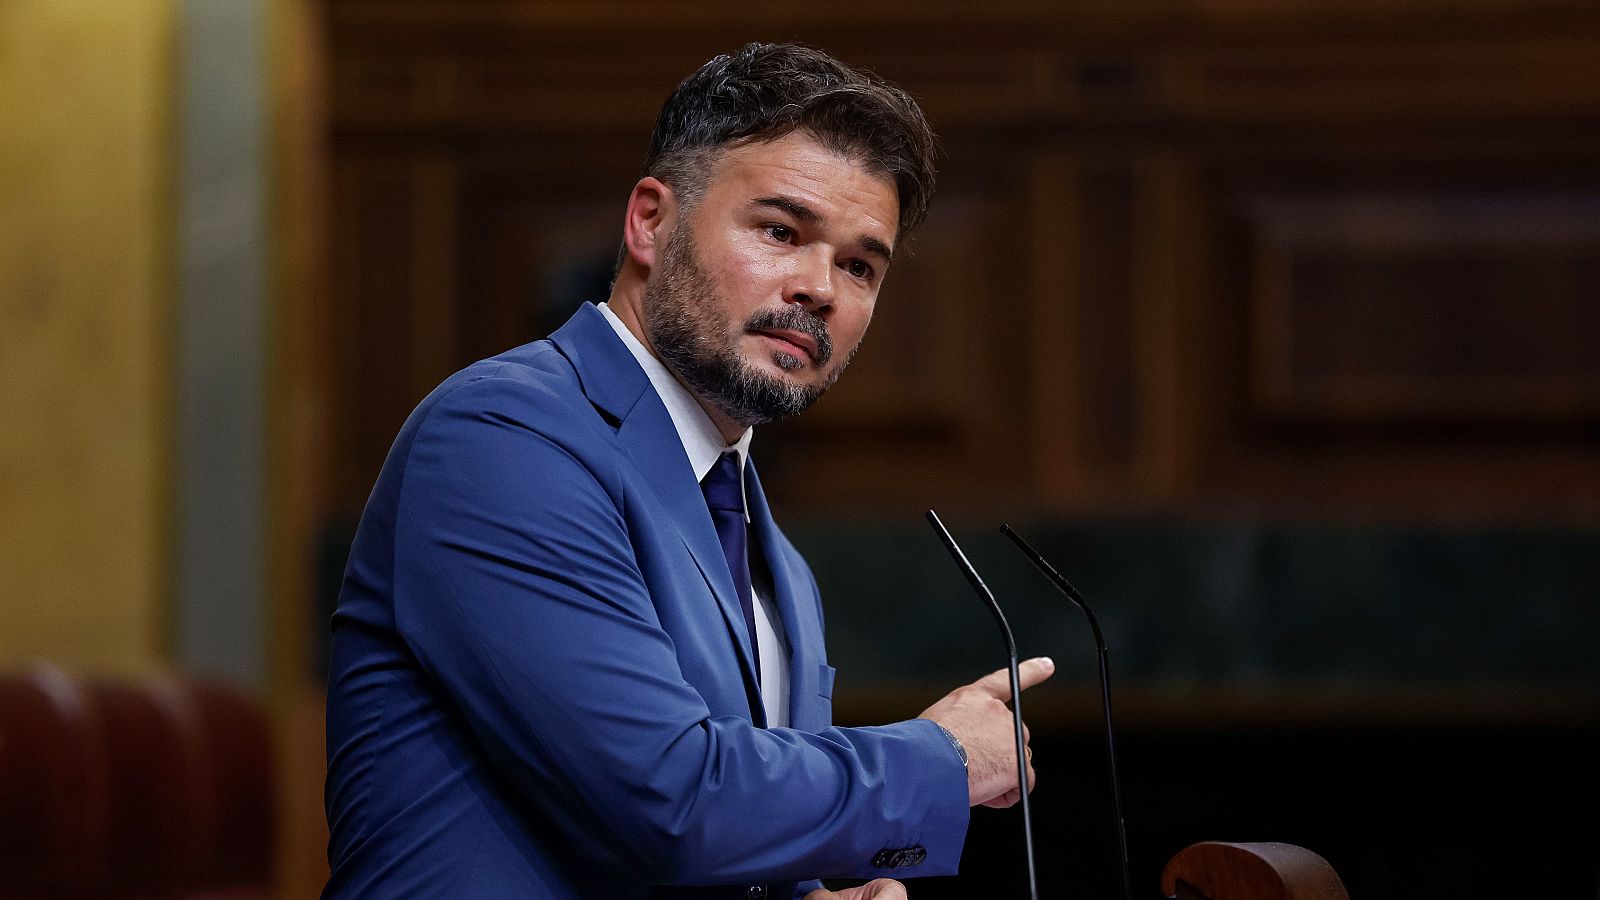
[[975, 580]]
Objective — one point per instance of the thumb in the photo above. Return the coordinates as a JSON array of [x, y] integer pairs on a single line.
[[883, 889]]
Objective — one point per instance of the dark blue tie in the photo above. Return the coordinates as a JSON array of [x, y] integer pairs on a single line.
[[724, 490]]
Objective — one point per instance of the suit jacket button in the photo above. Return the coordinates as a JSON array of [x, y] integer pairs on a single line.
[[913, 857], [884, 859], [757, 892]]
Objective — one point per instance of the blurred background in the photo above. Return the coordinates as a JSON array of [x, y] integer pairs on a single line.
[[1276, 326]]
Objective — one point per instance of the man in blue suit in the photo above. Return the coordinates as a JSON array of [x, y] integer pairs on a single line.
[[574, 656]]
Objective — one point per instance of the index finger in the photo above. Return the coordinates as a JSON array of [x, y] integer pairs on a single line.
[[1029, 673]]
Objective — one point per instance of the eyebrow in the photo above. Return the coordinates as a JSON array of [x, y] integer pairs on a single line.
[[806, 214]]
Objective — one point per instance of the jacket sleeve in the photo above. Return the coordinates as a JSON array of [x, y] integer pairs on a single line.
[[517, 590]]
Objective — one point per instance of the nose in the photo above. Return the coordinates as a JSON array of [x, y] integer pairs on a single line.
[[811, 282]]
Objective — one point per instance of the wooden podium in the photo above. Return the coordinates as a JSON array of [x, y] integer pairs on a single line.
[[1214, 870]]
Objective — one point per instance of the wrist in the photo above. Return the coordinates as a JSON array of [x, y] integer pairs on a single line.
[[956, 743]]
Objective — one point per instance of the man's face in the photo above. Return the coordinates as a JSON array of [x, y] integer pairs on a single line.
[[763, 290]]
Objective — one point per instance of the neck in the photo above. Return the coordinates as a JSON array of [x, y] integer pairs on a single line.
[[627, 302]]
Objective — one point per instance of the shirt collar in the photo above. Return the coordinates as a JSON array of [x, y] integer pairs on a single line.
[[699, 436]]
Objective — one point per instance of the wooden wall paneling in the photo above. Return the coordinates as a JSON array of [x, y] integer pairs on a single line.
[[1270, 323], [976, 84], [395, 264], [1399, 78], [302, 432], [1107, 348], [1054, 314], [432, 303], [530, 263], [973, 264], [581, 89], [375, 87], [1453, 303], [1384, 399], [1106, 410], [1122, 406], [541, 222], [375, 273], [1171, 285], [500, 265], [342, 349], [530, 70], [1005, 306]]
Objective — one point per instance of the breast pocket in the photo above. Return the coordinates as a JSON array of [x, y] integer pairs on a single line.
[[825, 675]]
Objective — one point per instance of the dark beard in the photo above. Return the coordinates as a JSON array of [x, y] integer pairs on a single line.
[[682, 322]]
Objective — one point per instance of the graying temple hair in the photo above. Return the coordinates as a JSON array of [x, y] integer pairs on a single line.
[[763, 92]]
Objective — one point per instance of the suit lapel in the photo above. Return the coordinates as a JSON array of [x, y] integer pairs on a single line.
[[614, 382], [652, 443], [789, 592]]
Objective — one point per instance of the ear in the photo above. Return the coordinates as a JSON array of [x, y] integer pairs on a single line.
[[652, 211]]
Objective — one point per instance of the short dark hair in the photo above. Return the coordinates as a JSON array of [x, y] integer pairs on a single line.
[[763, 92]]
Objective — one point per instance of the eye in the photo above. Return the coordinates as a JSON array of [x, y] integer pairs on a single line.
[[859, 268], [780, 233]]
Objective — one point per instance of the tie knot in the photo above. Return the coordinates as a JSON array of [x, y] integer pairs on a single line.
[[723, 486]]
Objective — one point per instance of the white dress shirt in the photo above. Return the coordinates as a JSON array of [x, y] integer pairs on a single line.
[[703, 444]]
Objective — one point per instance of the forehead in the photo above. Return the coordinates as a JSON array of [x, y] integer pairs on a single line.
[[840, 189]]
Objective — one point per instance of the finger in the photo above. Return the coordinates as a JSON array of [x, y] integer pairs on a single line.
[[1032, 671], [883, 889], [1004, 801], [996, 683], [1029, 673]]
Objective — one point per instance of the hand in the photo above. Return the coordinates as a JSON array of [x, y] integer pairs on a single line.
[[876, 889], [979, 718]]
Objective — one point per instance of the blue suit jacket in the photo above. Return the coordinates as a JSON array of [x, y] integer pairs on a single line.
[[540, 673]]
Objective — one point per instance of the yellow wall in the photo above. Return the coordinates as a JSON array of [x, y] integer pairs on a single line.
[[84, 305]]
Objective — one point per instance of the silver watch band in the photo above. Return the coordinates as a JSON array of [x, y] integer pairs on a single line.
[[956, 743]]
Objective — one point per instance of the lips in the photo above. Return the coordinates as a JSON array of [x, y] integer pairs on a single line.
[[801, 341], [797, 331]]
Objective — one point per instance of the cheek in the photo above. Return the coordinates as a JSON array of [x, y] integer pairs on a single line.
[[859, 317], [746, 284], [849, 326], [747, 263]]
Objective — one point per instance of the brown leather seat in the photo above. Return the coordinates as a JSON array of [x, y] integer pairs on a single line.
[[155, 784], [150, 787], [236, 737], [53, 803]]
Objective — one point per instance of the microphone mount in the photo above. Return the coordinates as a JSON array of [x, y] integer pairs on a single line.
[[1016, 687], [1065, 586]]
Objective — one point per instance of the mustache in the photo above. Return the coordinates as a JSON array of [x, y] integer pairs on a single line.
[[794, 318]]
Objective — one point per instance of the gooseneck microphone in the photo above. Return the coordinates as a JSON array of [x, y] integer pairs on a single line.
[[1066, 588], [1016, 687]]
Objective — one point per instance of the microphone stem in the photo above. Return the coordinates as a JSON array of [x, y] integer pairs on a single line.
[[1022, 775], [1116, 781], [1016, 687], [1065, 586]]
